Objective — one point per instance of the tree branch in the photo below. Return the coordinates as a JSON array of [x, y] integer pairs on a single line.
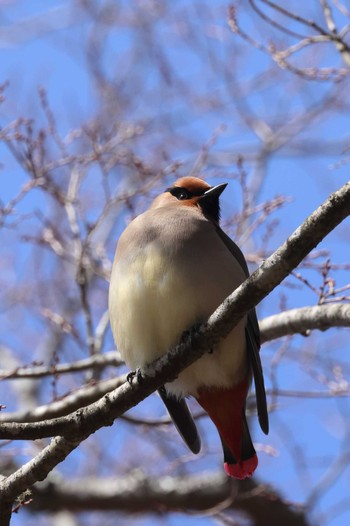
[[289, 322], [97, 361], [80, 424], [136, 493], [33, 471], [294, 321], [303, 320], [83, 397]]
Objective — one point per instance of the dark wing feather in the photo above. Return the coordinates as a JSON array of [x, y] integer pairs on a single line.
[[253, 346], [183, 420], [252, 339]]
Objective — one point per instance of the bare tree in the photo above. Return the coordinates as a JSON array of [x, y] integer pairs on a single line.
[[253, 93]]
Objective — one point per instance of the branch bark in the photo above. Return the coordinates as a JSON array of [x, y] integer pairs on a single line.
[[137, 493], [60, 408], [303, 320], [97, 361], [77, 426], [294, 321]]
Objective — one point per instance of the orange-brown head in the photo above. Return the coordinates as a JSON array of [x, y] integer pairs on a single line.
[[193, 192]]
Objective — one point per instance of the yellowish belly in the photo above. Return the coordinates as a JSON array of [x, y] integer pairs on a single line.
[[153, 301]]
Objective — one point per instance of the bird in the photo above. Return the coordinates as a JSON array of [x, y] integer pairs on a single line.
[[173, 267]]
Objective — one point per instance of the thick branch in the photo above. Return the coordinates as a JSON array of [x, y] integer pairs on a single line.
[[294, 321], [72, 402], [302, 320], [227, 315], [137, 493], [76, 426], [33, 471]]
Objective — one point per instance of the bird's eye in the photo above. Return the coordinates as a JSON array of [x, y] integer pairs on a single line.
[[180, 193]]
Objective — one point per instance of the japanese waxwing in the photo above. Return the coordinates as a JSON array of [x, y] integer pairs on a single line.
[[173, 266]]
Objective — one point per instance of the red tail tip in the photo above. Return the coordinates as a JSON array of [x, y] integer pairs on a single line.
[[243, 470]]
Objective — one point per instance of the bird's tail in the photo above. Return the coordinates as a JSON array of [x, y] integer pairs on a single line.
[[226, 408], [248, 462], [182, 418]]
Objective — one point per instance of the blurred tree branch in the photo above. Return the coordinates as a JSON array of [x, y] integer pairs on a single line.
[[136, 493], [272, 85], [77, 426]]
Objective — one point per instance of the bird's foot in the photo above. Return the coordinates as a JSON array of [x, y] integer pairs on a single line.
[[192, 332], [130, 376]]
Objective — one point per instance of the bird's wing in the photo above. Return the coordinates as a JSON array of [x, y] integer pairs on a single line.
[[182, 418], [253, 346], [252, 339]]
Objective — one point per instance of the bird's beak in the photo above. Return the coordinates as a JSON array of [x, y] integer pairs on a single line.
[[215, 191]]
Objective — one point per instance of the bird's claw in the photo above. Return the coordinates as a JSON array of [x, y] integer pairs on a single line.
[[191, 333], [130, 376]]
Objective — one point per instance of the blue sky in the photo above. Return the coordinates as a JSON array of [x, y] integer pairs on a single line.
[[180, 123]]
